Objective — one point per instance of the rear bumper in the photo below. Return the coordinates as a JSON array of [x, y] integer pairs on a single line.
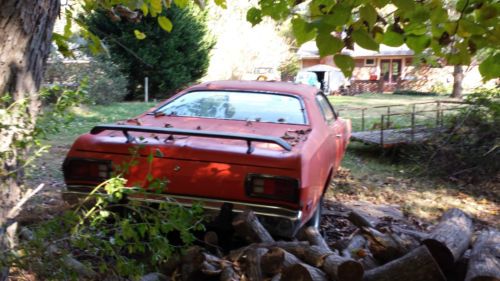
[[278, 221]]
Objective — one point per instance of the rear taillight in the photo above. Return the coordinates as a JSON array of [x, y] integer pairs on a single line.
[[86, 169], [273, 187]]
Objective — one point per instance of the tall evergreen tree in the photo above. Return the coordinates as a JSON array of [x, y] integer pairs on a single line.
[[171, 60]]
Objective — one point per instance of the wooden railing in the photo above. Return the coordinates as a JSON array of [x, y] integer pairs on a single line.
[[389, 113]]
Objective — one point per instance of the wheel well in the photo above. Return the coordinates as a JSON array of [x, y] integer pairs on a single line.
[[328, 180]]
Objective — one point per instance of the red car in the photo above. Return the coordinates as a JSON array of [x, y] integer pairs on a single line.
[[269, 146]]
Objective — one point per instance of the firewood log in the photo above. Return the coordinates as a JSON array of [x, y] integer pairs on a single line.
[[234, 255], [417, 265], [228, 273], [303, 272], [450, 238], [247, 226], [359, 220], [197, 264], [314, 237], [384, 246], [251, 261], [342, 268], [275, 260], [320, 255], [484, 263], [276, 277]]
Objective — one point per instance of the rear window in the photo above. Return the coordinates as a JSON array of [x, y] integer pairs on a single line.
[[258, 107]]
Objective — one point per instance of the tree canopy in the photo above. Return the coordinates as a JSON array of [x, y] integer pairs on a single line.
[[452, 30], [170, 60]]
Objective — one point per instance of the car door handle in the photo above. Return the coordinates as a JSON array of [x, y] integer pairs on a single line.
[[339, 135]]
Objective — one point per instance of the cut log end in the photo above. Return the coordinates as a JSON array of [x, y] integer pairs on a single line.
[[440, 252], [350, 270]]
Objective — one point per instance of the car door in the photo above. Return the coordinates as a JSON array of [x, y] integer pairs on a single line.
[[335, 130]]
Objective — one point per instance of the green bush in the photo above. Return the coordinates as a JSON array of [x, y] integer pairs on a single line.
[[414, 93], [469, 148], [105, 82], [171, 60]]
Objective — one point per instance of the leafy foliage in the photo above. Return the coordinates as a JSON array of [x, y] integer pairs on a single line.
[[115, 237], [452, 30], [23, 133], [171, 59], [106, 84], [470, 148]]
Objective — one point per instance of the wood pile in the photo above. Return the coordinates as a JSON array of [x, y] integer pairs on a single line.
[[369, 254]]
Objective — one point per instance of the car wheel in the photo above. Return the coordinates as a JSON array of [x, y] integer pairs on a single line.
[[315, 220]]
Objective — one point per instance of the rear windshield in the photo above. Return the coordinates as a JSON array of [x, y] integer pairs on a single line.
[[258, 107]]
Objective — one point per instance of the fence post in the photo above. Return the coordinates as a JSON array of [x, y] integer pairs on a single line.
[[382, 130], [438, 113], [388, 116], [363, 119], [146, 89]]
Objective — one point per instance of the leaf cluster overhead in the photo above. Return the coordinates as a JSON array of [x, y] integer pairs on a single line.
[[453, 30]]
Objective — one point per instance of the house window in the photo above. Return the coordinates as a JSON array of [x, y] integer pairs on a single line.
[[369, 62]]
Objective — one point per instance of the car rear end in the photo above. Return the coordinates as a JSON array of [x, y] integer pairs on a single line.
[[246, 164]]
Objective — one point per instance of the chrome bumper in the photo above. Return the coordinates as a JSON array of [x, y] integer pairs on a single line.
[[277, 220]]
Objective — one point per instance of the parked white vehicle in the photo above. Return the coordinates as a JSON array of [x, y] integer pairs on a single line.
[[325, 77]]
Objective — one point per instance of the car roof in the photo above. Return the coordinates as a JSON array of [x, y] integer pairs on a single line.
[[258, 86]]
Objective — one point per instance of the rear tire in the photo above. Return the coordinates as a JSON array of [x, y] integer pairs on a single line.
[[315, 220]]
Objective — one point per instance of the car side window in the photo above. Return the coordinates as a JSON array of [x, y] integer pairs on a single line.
[[326, 108]]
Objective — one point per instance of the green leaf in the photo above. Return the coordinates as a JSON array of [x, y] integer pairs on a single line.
[[139, 35], [156, 7], [181, 3], [418, 43], [393, 39], [165, 23], [416, 28], [340, 15], [145, 9], [380, 3], [363, 39], [221, 3], [439, 15], [254, 16], [345, 63], [369, 14], [302, 31], [328, 45], [490, 67], [404, 5]]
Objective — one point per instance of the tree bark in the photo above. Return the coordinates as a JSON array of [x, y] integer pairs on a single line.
[[458, 76], [450, 238], [303, 272], [276, 259], [417, 265], [484, 263], [247, 225], [25, 36]]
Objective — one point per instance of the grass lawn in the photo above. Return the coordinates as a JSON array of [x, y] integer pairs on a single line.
[[365, 175], [349, 107]]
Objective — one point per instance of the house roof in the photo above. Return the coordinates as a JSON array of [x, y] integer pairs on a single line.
[[309, 50], [321, 68]]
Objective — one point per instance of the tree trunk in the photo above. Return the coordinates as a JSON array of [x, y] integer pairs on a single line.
[[450, 238], [25, 33], [25, 36], [458, 76], [484, 263]]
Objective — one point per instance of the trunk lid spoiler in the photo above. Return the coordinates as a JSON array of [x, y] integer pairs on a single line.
[[249, 138]]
